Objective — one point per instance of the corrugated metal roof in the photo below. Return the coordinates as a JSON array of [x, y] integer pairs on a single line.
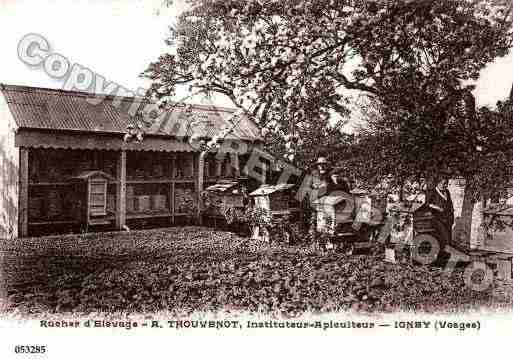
[[265, 190], [39, 108], [222, 186], [88, 174]]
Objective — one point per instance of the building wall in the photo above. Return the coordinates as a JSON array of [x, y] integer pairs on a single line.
[[9, 164]]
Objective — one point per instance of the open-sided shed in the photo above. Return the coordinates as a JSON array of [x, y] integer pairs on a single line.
[[49, 137]]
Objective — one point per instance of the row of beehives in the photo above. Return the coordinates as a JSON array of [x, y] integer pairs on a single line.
[[52, 204], [144, 202], [49, 166], [61, 204], [184, 201], [281, 200]]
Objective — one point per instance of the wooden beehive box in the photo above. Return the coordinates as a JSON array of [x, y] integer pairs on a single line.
[[336, 210], [142, 203], [333, 210], [221, 195], [36, 206], [278, 199], [158, 202], [93, 186]]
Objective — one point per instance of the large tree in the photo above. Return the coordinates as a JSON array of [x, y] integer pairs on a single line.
[[290, 62], [295, 65], [472, 144]]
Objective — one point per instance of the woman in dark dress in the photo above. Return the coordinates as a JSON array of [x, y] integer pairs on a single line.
[[440, 202]]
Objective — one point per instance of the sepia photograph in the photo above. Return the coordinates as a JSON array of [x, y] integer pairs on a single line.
[[171, 169]]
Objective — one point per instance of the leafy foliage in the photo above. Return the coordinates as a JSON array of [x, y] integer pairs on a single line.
[[296, 65]]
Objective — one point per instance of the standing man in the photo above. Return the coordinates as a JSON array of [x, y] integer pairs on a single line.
[[319, 179], [321, 176]]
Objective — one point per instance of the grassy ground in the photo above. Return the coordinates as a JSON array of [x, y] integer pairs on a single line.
[[191, 269]]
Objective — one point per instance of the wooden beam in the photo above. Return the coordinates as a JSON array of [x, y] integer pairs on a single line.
[[121, 191], [23, 192], [193, 167]]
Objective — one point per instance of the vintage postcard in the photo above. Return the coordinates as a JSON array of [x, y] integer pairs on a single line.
[[303, 177]]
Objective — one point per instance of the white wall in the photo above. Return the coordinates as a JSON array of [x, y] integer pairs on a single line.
[[9, 164]]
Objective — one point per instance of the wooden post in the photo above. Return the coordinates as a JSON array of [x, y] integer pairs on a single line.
[[23, 192], [264, 172], [121, 191], [193, 167], [172, 188], [236, 164], [219, 168], [201, 183], [174, 173], [172, 201]]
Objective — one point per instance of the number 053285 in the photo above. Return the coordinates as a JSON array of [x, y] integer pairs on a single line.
[[30, 349]]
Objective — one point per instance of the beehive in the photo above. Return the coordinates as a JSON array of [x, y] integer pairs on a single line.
[[158, 202], [53, 205], [224, 194], [142, 203], [278, 199], [36, 207]]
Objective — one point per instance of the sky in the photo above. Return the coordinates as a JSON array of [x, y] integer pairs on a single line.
[[119, 38]]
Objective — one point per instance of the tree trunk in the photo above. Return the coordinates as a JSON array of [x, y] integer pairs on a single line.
[[463, 227]]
